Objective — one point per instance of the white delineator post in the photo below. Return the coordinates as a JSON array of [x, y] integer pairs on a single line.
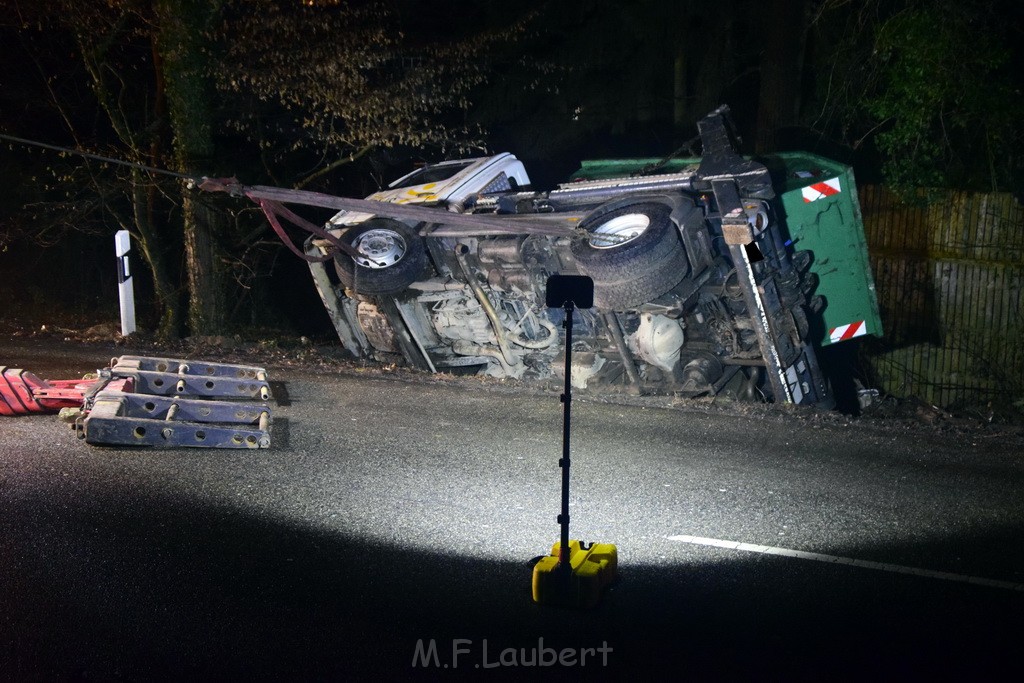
[[125, 288]]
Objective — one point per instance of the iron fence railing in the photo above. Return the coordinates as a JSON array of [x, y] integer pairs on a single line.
[[949, 274]]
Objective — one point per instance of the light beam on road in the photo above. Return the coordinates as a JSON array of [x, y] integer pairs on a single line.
[[835, 559]]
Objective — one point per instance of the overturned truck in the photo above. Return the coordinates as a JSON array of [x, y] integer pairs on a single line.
[[718, 275]]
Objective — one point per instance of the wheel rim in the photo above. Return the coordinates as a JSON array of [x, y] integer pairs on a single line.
[[619, 230], [381, 248]]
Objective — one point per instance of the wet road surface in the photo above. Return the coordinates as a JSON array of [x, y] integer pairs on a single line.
[[388, 533]]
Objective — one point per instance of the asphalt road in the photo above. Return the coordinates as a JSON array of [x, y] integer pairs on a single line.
[[388, 532]]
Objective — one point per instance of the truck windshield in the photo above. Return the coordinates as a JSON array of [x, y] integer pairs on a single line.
[[431, 174]]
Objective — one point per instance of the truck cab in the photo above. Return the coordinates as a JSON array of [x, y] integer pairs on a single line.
[[449, 184]]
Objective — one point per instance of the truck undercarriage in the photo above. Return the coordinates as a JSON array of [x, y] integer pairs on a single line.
[[696, 291]]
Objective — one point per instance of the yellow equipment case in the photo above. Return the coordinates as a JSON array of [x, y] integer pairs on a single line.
[[592, 569]]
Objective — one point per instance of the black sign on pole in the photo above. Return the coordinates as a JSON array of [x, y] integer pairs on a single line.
[[577, 289], [567, 292]]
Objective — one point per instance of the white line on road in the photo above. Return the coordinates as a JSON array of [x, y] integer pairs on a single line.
[[835, 559]]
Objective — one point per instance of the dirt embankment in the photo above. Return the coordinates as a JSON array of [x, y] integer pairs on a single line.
[[275, 350]]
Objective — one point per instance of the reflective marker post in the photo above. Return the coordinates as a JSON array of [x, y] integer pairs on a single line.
[[125, 288]]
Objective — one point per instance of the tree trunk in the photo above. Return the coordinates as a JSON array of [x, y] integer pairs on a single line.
[[168, 292], [153, 248], [679, 86], [148, 231], [717, 63], [182, 27], [207, 302], [785, 23]]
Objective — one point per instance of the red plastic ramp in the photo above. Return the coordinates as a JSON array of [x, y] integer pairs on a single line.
[[22, 393], [15, 392]]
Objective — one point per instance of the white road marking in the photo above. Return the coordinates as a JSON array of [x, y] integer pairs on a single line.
[[835, 559]]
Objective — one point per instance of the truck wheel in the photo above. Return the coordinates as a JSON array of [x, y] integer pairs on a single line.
[[632, 252], [394, 257]]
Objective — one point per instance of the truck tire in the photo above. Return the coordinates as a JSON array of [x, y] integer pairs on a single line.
[[632, 252], [395, 257]]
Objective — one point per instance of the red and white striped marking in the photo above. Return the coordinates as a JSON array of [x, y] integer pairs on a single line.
[[826, 188], [844, 332]]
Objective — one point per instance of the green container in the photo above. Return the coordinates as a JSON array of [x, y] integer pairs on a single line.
[[818, 199]]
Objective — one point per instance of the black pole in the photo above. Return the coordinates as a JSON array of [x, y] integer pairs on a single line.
[[563, 519]]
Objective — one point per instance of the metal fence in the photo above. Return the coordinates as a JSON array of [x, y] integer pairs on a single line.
[[949, 274]]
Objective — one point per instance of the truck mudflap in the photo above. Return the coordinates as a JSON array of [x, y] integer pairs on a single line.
[[150, 401]]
